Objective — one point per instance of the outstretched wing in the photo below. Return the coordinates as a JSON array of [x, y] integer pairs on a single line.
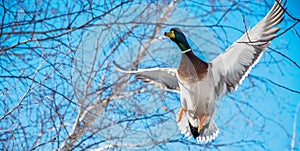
[[164, 78], [232, 66]]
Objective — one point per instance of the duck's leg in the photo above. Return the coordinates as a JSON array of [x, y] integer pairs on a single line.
[[202, 122], [180, 114]]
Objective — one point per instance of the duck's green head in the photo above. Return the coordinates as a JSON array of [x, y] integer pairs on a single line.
[[178, 37]]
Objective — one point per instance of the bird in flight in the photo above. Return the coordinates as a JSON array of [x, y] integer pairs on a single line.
[[201, 83]]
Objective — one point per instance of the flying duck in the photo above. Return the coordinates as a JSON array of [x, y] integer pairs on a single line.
[[201, 83]]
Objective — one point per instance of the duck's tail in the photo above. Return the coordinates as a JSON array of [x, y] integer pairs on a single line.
[[208, 133]]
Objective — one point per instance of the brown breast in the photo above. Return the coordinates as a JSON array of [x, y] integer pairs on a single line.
[[191, 68]]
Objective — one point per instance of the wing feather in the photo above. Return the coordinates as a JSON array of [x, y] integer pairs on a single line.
[[232, 66], [163, 78]]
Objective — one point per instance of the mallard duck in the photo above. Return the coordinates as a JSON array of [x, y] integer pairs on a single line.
[[201, 83]]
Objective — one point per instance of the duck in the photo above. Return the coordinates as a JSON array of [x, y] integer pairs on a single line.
[[200, 83]]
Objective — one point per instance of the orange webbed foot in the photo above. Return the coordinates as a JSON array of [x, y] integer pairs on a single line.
[[180, 114], [202, 122]]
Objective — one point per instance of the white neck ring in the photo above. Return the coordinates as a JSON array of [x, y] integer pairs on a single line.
[[186, 51]]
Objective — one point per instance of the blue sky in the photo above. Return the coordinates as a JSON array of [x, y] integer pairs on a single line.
[[258, 116], [258, 110]]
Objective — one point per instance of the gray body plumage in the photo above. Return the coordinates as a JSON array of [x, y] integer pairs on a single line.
[[199, 99]]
